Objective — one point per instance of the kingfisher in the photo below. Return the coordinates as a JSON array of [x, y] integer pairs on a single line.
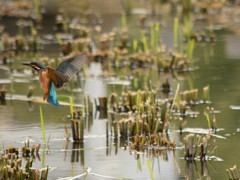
[[51, 78]]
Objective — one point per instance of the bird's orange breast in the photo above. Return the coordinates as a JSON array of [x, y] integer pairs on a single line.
[[44, 79]]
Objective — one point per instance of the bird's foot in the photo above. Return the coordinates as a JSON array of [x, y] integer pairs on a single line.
[[44, 96]]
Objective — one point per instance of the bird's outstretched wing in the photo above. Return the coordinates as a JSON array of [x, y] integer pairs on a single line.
[[57, 77], [71, 66], [66, 70]]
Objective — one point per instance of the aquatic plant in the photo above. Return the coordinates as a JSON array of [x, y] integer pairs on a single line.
[[77, 125], [206, 93], [157, 140], [232, 173], [191, 146], [146, 115], [190, 96], [11, 163], [101, 103], [78, 117], [210, 115]]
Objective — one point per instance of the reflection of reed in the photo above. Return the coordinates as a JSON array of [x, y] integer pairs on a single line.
[[101, 114], [191, 170], [89, 122], [152, 153], [123, 141], [3, 95], [101, 103], [65, 152], [110, 142], [78, 151]]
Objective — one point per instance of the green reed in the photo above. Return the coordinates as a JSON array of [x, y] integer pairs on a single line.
[[135, 45], [152, 37], [207, 116], [150, 169], [71, 106], [157, 28], [124, 21], [145, 45], [175, 34], [190, 48], [42, 124], [59, 40]]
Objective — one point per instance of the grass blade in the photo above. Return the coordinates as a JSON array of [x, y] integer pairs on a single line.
[[71, 106], [42, 124], [139, 165], [59, 40], [43, 156], [124, 21], [135, 45], [150, 169], [209, 126], [176, 94], [157, 27], [175, 34], [190, 48], [145, 45], [152, 37]]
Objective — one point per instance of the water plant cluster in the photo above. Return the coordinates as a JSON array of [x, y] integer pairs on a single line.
[[18, 164], [79, 118]]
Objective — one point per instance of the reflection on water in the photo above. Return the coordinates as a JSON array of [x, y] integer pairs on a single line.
[[192, 171], [95, 85], [77, 152]]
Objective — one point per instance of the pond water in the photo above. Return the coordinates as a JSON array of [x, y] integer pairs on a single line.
[[217, 65]]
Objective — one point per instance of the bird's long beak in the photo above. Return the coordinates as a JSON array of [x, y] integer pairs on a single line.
[[26, 63]]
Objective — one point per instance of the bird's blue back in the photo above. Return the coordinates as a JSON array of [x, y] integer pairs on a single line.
[[52, 96]]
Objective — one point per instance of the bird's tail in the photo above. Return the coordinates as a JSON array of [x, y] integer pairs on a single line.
[[52, 96]]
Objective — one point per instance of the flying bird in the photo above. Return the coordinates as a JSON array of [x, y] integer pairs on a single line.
[[51, 78]]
